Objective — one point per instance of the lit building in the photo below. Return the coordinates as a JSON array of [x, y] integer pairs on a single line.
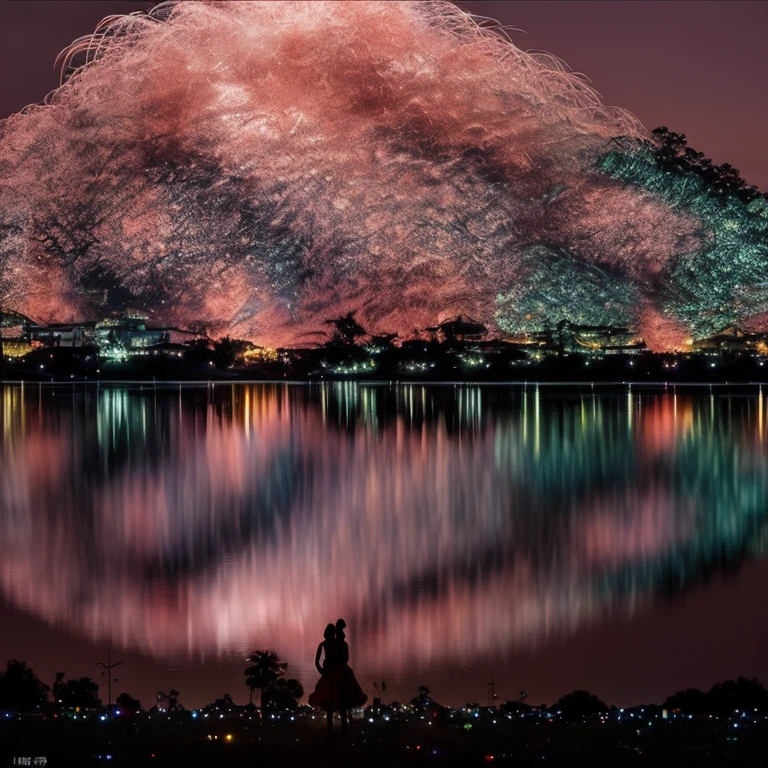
[[15, 339], [604, 340], [733, 338], [63, 334], [458, 329]]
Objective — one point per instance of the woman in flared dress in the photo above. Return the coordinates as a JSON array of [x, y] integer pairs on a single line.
[[337, 690]]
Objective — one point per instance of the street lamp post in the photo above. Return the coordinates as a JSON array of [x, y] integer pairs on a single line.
[[107, 672]]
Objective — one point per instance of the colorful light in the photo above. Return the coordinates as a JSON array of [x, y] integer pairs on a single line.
[[237, 165]]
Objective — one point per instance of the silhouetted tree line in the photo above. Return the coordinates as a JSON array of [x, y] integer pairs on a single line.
[[673, 154], [727, 698], [266, 672], [575, 706], [21, 690], [169, 702], [77, 692], [128, 703], [578, 705], [721, 699]]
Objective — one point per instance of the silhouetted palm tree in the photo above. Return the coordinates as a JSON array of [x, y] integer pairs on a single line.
[[266, 668], [347, 328]]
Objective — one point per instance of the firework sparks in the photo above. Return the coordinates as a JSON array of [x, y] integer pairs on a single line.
[[255, 167]]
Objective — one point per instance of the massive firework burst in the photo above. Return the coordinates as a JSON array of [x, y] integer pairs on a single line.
[[255, 167]]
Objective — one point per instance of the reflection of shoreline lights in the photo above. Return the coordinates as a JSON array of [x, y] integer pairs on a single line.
[[441, 521]]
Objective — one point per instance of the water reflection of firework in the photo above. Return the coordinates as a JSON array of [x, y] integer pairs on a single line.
[[441, 522]]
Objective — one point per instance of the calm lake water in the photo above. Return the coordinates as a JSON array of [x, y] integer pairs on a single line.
[[543, 538]]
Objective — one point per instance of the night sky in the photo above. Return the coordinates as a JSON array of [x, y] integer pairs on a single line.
[[698, 68]]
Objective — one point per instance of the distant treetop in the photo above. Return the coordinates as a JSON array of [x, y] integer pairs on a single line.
[[673, 154]]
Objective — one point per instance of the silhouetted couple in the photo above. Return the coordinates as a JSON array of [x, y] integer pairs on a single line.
[[337, 690]]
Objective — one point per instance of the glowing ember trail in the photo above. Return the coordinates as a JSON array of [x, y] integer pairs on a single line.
[[257, 167]]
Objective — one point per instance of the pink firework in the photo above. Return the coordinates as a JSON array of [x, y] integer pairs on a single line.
[[258, 167]]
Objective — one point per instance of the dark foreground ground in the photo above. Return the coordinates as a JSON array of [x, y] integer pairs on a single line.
[[304, 742]]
